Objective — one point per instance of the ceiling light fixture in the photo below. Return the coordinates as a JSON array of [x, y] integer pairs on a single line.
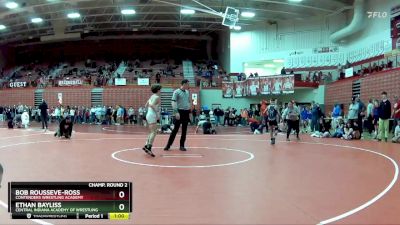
[[295, 0], [12, 5], [187, 11], [37, 20], [278, 60], [73, 15], [248, 14], [269, 65], [2, 27], [128, 11]]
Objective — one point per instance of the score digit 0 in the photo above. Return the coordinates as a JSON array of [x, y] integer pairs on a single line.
[[121, 194]]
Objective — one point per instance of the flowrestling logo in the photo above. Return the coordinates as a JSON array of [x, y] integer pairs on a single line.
[[379, 15]]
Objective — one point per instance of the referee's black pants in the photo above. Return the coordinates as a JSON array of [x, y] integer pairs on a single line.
[[184, 120]]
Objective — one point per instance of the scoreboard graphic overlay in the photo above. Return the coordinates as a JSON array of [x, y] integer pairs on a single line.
[[70, 200]]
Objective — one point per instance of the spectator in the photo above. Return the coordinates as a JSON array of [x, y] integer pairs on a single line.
[[339, 129], [336, 112], [396, 111], [370, 116], [361, 114], [348, 131], [158, 78], [396, 137], [315, 116], [218, 115], [353, 110], [384, 116], [283, 71]]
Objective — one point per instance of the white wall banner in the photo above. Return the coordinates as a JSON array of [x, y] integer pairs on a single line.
[[120, 81], [143, 81], [17, 84]]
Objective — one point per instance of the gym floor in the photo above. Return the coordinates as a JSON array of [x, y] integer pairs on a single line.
[[229, 178]]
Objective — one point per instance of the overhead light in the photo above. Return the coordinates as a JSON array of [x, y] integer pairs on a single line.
[[237, 27], [73, 15], [269, 65], [194, 30], [278, 60], [12, 5], [37, 20], [2, 27], [128, 11], [135, 29], [248, 14], [295, 0], [187, 11]]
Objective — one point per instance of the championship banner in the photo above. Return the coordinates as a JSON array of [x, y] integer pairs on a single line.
[[275, 85], [240, 89], [253, 86], [288, 85], [73, 82], [266, 84], [227, 89]]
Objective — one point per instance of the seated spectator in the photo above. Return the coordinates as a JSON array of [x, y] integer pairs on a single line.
[[348, 131], [202, 120], [324, 129], [396, 137], [339, 130], [351, 131], [166, 129], [256, 126]]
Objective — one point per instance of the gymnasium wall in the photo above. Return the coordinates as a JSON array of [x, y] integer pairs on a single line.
[[72, 96], [371, 87], [81, 96], [10, 97], [210, 97]]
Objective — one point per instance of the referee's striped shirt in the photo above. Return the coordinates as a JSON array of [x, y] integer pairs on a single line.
[[182, 99]]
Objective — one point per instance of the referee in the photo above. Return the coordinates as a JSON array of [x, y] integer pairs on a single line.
[[181, 106]]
